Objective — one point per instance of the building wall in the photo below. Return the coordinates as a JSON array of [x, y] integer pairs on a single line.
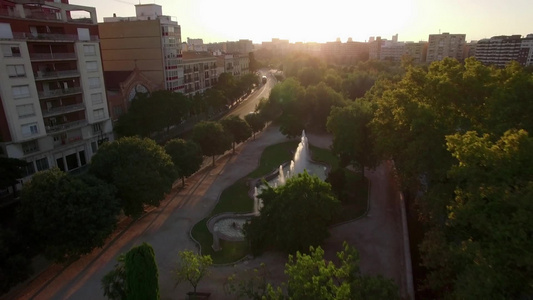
[[130, 44], [445, 45]]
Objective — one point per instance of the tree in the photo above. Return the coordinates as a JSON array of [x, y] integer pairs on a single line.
[[141, 273], [11, 172], [114, 282], [294, 216], [140, 169], [352, 136], [312, 277], [186, 156], [192, 267], [255, 121], [238, 128], [15, 263], [321, 99], [67, 216], [212, 138], [482, 251]]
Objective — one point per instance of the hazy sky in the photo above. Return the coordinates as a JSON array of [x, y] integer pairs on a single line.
[[322, 21]]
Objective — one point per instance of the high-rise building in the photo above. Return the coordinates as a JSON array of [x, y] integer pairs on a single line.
[[500, 50], [445, 45], [53, 108], [149, 41]]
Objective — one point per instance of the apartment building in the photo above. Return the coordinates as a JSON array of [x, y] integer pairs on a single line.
[[149, 41], [53, 109], [200, 71], [236, 64], [445, 45], [500, 50], [417, 51]]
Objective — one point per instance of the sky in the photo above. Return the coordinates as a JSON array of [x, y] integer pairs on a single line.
[[324, 21]]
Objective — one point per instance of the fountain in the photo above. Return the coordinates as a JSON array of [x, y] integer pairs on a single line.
[[299, 163]]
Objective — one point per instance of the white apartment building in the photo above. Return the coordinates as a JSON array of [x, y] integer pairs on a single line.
[[445, 45], [53, 108]]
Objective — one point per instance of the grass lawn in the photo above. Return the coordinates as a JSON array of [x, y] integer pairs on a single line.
[[235, 198]]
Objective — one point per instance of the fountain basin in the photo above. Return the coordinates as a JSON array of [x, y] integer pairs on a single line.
[[228, 226]]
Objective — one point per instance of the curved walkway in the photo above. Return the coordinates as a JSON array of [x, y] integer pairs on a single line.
[[377, 236]]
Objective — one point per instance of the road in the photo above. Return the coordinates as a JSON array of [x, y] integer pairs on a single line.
[[248, 105]]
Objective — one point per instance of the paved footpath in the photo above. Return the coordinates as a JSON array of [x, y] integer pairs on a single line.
[[377, 236]]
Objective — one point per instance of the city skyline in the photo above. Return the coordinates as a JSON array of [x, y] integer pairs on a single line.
[[297, 21], [412, 20]]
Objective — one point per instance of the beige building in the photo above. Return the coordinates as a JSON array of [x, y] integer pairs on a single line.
[[236, 64], [200, 71], [150, 42], [445, 45]]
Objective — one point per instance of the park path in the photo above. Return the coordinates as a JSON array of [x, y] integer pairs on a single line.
[[377, 236]]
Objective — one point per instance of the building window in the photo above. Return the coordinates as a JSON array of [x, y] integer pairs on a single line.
[[72, 161], [42, 164], [97, 128], [11, 50], [89, 50], [29, 129], [16, 71], [20, 91], [94, 82], [25, 111], [92, 66], [30, 147], [28, 170], [98, 114], [97, 98]]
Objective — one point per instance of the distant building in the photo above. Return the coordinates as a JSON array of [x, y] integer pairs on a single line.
[[200, 71], [500, 50], [236, 64], [53, 109], [417, 51], [195, 45], [382, 49], [149, 41], [445, 45]]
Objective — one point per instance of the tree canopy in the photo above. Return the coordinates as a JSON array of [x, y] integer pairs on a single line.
[[186, 156], [294, 216], [67, 216], [141, 273], [238, 128], [192, 267], [212, 138], [140, 169]]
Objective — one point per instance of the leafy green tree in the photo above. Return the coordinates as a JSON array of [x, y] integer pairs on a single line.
[[10, 172], [15, 263], [170, 108], [482, 252], [352, 137], [238, 128], [285, 219], [139, 120], [255, 121], [186, 156], [114, 282], [312, 277], [192, 267], [140, 169], [67, 216], [321, 99], [141, 273], [212, 138]]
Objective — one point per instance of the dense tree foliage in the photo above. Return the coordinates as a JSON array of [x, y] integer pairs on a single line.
[[192, 267], [67, 216], [140, 169], [114, 282], [255, 121], [212, 138], [10, 171], [238, 128], [186, 156], [294, 216], [141, 273], [310, 276], [15, 262]]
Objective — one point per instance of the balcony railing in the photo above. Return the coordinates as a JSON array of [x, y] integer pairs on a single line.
[[59, 92], [56, 74], [66, 126], [52, 56], [50, 36], [63, 109]]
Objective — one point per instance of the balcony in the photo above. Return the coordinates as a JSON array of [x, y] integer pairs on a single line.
[[60, 92], [54, 111], [52, 56], [50, 37], [56, 74], [66, 126]]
